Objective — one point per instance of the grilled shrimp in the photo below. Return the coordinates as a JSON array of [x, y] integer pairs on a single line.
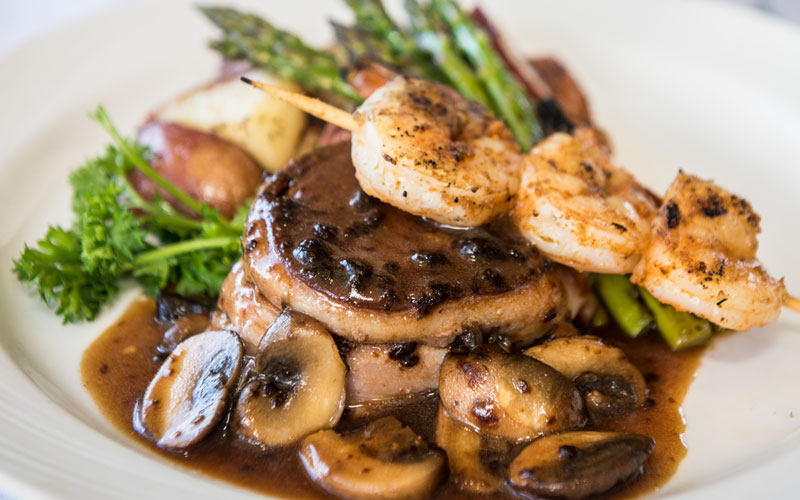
[[702, 257], [423, 148], [579, 208]]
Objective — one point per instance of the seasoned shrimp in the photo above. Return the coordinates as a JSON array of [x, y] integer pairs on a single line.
[[579, 208], [702, 257], [422, 147]]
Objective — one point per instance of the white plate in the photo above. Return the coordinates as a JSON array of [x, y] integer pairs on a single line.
[[699, 85]]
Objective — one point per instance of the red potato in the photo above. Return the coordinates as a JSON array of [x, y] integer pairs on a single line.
[[206, 167], [566, 91], [368, 76], [266, 128]]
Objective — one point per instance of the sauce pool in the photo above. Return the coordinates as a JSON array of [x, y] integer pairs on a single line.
[[117, 367]]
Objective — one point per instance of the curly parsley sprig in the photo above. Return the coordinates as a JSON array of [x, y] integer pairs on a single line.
[[117, 234]]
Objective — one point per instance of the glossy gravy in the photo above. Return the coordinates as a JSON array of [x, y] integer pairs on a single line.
[[120, 363]]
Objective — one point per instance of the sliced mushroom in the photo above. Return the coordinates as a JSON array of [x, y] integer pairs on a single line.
[[189, 393], [384, 460], [559, 330], [170, 307], [610, 384], [182, 328], [475, 465], [508, 395], [299, 387], [579, 464]]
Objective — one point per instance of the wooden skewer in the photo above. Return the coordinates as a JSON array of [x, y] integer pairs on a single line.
[[792, 303], [315, 107]]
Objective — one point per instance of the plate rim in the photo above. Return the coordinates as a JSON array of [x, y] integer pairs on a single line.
[[27, 489]]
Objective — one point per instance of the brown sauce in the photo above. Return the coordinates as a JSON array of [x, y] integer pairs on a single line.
[[315, 219], [117, 367]]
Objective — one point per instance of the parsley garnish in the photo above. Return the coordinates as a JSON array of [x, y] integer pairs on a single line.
[[118, 234]]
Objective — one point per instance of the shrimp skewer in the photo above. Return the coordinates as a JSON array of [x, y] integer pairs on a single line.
[[575, 205], [422, 147], [583, 211], [702, 258], [579, 208]]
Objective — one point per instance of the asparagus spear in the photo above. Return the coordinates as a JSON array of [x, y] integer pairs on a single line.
[[621, 299], [508, 95], [429, 38], [361, 43], [291, 67], [249, 37], [231, 20], [678, 329], [227, 49], [372, 17]]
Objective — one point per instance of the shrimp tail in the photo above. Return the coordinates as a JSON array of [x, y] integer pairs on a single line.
[[792, 303]]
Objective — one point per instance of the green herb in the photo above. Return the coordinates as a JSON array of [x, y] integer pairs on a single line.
[[117, 234]]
